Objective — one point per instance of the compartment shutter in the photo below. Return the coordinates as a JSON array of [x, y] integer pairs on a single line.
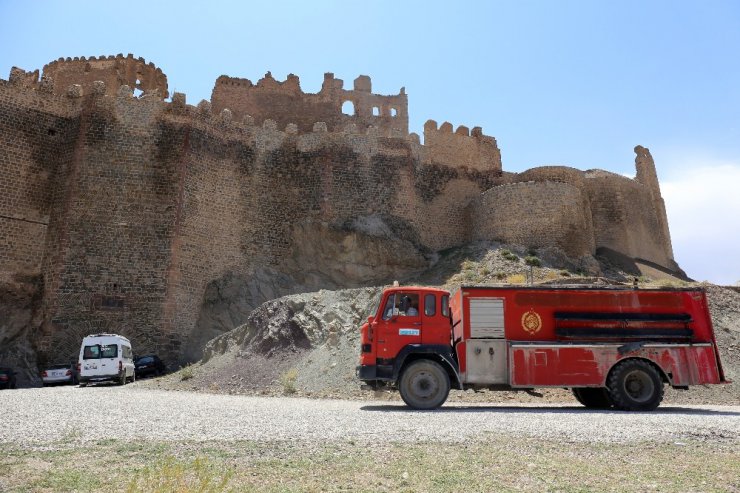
[[486, 318]]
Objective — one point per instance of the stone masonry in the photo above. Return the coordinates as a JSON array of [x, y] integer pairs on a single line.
[[143, 216]]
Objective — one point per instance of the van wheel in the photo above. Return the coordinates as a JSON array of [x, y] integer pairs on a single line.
[[424, 384], [635, 385], [122, 378], [593, 398]]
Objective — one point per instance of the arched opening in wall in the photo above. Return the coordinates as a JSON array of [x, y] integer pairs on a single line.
[[376, 111], [137, 92], [348, 108], [394, 112]]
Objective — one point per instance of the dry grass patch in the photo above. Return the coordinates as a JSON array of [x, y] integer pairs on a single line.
[[497, 464]]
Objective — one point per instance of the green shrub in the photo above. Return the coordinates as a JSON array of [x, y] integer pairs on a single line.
[[533, 261], [186, 373], [288, 379], [508, 255]]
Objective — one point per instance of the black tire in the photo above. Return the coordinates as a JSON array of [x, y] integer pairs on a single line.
[[593, 398], [122, 378], [424, 384], [635, 385], [83, 384]]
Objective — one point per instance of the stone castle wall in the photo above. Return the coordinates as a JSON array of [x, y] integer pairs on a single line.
[[113, 71], [37, 134], [536, 214], [285, 103], [140, 214]]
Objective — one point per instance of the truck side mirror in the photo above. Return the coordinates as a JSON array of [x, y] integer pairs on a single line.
[[370, 319]]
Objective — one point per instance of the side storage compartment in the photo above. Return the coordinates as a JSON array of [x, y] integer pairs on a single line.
[[487, 361]]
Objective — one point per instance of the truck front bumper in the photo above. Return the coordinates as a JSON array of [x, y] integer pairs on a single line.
[[366, 372]]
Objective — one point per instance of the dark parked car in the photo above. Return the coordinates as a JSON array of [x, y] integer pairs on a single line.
[[7, 378], [148, 365], [61, 373]]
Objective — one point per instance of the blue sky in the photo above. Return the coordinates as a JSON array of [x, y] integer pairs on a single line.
[[577, 83]]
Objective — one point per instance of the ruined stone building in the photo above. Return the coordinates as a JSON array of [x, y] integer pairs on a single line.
[[138, 215]]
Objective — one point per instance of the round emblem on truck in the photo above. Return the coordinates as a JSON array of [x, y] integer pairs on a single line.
[[531, 322]]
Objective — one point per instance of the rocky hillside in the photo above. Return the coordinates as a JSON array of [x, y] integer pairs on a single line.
[[18, 299], [308, 344]]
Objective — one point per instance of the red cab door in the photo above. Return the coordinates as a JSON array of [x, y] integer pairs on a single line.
[[399, 325]]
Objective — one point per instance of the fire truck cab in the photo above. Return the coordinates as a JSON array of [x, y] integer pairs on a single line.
[[613, 346]]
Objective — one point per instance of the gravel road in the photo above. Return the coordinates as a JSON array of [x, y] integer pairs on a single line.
[[46, 415]]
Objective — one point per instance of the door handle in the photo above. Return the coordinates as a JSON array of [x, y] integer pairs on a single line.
[[416, 323]]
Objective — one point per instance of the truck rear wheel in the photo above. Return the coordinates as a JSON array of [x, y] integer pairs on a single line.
[[635, 385], [424, 384], [593, 398]]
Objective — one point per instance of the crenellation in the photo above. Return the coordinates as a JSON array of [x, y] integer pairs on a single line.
[[75, 91], [460, 149], [98, 88], [204, 108], [20, 78], [363, 84]]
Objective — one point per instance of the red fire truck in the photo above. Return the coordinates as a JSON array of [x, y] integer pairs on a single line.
[[612, 346]]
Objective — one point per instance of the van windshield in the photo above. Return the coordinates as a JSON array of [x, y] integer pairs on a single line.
[[98, 351]]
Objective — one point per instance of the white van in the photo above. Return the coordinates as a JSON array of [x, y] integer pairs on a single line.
[[106, 357]]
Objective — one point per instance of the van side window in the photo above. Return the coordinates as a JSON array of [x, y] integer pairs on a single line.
[[126, 352], [430, 305], [446, 305]]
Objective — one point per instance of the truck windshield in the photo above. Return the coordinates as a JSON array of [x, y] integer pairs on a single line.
[[98, 351]]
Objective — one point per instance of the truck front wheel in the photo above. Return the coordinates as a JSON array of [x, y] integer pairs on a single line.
[[635, 385], [593, 398], [424, 384]]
